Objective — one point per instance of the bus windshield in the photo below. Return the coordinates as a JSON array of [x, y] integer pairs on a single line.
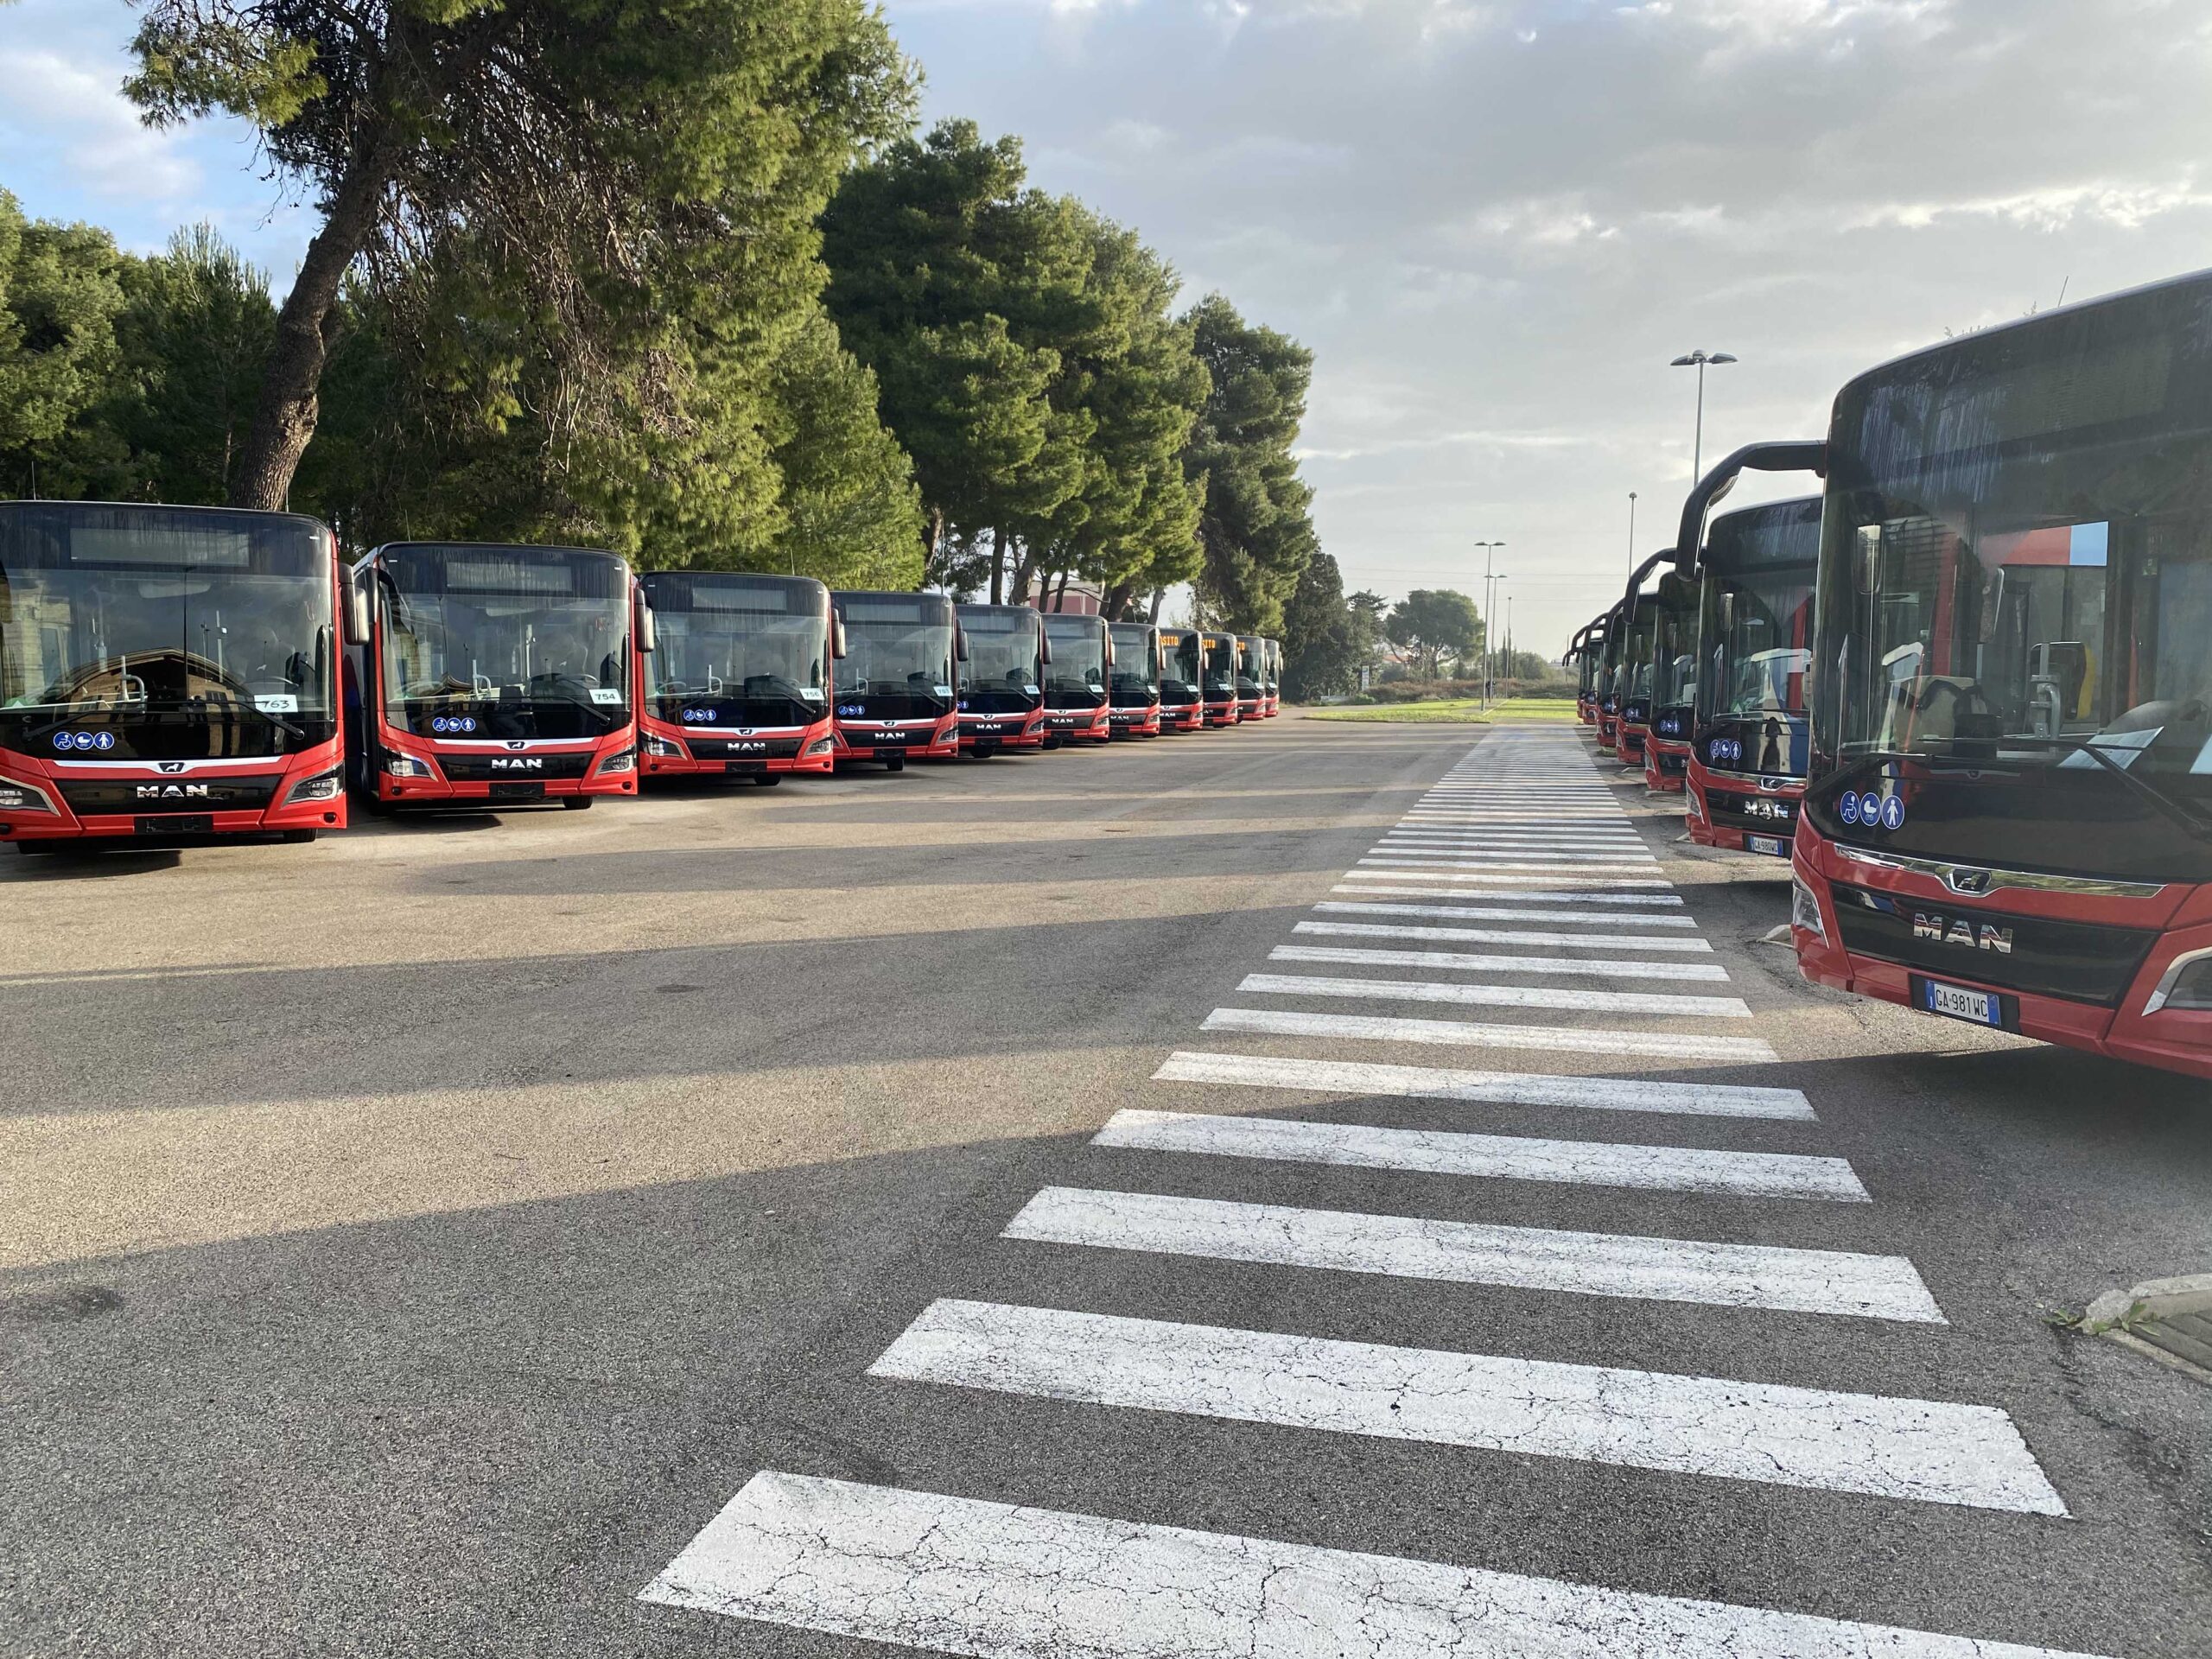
[[1220, 666], [2016, 573], [737, 651], [1002, 671], [164, 633], [1136, 662], [1180, 678], [1251, 672], [509, 642], [1634, 675], [1674, 661], [898, 661], [1076, 677]]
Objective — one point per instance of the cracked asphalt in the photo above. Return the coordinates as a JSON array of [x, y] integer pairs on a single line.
[[409, 1243]]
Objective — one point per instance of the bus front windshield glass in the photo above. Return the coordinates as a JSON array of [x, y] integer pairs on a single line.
[[1076, 677], [898, 661], [1250, 674], [1221, 667], [1136, 665], [1001, 674], [504, 642], [1180, 679], [733, 652], [1674, 671], [1635, 676], [1762, 623], [164, 634]]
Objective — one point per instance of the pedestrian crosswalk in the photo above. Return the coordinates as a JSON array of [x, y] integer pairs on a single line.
[[1516, 886]]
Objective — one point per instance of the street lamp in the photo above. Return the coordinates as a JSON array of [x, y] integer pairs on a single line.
[[1698, 360], [1488, 548], [1632, 529]]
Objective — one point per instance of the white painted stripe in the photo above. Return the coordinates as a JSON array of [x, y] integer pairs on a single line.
[[1455, 1034], [1569, 893], [1514, 857], [1505, 936], [1601, 838], [1363, 1079], [1931, 1451], [1589, 881], [994, 1581], [1472, 962], [1532, 866], [1497, 997], [1507, 914], [1496, 1157], [1471, 1253], [1589, 845]]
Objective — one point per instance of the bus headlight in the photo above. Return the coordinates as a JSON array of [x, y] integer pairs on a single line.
[[625, 761], [407, 765], [1805, 908], [2187, 986], [821, 746], [666, 748], [323, 786], [22, 798]]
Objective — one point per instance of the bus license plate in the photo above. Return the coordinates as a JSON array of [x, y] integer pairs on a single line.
[[181, 824], [1957, 1002], [1768, 844], [746, 768], [518, 791]]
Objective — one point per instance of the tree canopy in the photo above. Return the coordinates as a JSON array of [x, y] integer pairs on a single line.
[[1432, 625]]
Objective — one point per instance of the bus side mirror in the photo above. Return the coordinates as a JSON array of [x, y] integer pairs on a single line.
[[648, 631], [1727, 612], [959, 644], [357, 607], [836, 635], [1109, 651], [1866, 562], [1044, 649]]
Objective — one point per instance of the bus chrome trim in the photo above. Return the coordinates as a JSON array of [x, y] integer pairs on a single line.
[[2171, 977], [1976, 881]]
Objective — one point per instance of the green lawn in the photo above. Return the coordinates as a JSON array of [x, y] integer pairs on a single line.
[[1464, 712]]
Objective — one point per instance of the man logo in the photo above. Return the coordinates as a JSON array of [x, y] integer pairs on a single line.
[[1958, 931], [516, 743], [1968, 880], [172, 792], [511, 763], [171, 766]]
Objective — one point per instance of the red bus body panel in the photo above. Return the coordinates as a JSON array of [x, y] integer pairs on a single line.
[[1023, 730], [1657, 775], [1222, 711], [1081, 725], [1628, 743], [1704, 783], [689, 763], [2174, 1039], [537, 761], [896, 740], [1182, 716], [1134, 721], [189, 791]]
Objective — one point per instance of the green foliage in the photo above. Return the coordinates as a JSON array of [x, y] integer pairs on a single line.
[[1255, 531], [1326, 638], [1431, 624], [59, 292]]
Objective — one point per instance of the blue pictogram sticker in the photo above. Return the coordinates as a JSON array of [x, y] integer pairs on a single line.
[[1847, 805], [103, 741], [61, 739], [1870, 808], [1893, 812], [82, 740], [850, 710]]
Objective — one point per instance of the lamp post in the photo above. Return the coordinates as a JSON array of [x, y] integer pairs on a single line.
[[1488, 548], [1698, 360], [1632, 529]]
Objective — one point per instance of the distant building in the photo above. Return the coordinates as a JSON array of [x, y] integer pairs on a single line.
[[1072, 598]]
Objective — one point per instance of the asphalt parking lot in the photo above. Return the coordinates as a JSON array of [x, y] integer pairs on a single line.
[[1031, 1205]]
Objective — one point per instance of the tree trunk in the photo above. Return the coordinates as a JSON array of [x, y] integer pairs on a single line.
[[998, 567], [1060, 599], [1116, 600], [1024, 569], [1159, 598], [284, 419], [932, 539]]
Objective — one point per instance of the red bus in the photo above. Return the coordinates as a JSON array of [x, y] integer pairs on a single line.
[[738, 682], [496, 675], [2008, 819], [1135, 681], [1251, 677], [1674, 683], [1587, 651], [1606, 686], [167, 674], [1749, 735], [1077, 706], [1217, 684], [895, 693], [1001, 680], [1632, 677], [1182, 677], [1273, 678]]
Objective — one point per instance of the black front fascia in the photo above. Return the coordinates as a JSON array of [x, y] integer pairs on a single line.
[[998, 702], [1672, 723], [738, 711], [513, 768], [148, 796], [1758, 814], [2079, 962], [1636, 711], [1078, 700], [891, 705]]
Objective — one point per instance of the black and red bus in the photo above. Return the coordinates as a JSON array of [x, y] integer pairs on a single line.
[[167, 674], [895, 683], [1078, 705], [495, 675], [1134, 681], [1271, 679], [1605, 688], [1251, 677], [1182, 680], [1674, 683], [1750, 738], [1633, 674], [1002, 681], [1587, 652], [738, 682], [2008, 819], [1218, 682]]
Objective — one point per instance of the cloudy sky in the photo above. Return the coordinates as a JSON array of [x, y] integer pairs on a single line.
[[1495, 221]]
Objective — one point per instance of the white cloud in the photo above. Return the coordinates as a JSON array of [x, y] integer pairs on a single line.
[[75, 114]]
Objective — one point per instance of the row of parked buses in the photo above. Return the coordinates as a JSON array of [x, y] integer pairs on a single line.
[[1966, 689], [177, 672]]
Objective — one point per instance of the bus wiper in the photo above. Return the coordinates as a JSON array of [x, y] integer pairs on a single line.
[[2191, 824]]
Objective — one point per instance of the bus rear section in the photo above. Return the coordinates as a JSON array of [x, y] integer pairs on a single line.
[[2008, 820], [1251, 677], [895, 683], [496, 676], [1001, 682], [1079, 707], [1218, 685], [1750, 738], [1182, 679], [738, 682], [167, 674], [1134, 680], [1674, 685]]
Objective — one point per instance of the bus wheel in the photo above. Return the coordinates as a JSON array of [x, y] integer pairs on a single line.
[[298, 837], [898, 764], [576, 803], [765, 781]]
